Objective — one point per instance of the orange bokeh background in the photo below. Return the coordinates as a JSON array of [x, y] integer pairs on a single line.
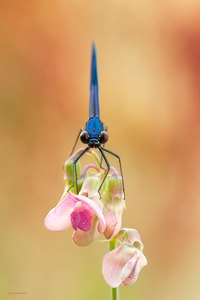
[[149, 75]]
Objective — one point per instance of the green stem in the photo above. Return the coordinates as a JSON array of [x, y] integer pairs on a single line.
[[115, 291]]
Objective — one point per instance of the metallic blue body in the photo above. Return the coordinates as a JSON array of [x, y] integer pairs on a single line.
[[94, 126], [94, 88]]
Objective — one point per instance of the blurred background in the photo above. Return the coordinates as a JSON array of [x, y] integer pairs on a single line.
[[149, 76]]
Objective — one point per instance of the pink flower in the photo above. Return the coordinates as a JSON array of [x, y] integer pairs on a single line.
[[123, 264], [82, 213]]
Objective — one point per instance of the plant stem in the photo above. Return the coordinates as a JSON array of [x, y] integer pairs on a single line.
[[115, 291]]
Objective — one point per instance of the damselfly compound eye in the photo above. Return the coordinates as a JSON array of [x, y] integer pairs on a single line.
[[84, 137], [103, 137]]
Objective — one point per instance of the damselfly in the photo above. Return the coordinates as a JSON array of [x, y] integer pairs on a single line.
[[95, 134]]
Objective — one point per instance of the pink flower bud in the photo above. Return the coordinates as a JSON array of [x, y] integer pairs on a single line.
[[113, 204], [123, 264]]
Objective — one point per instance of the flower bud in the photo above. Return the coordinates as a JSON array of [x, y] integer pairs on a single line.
[[123, 264], [113, 204]]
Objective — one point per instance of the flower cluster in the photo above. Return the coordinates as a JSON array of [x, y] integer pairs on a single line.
[[91, 213]]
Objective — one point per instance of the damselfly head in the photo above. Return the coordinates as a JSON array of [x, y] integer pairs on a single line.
[[94, 142]]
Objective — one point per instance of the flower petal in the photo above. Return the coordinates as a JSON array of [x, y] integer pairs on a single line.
[[84, 238], [113, 217], [82, 217], [96, 208], [129, 268], [58, 218], [131, 236], [91, 185], [135, 265]]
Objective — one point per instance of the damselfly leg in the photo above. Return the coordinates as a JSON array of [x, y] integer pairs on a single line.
[[74, 171], [120, 165], [106, 171], [76, 141], [101, 161]]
